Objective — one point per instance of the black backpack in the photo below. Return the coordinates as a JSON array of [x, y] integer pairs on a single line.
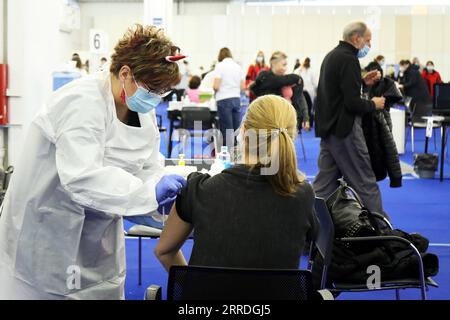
[[350, 217]]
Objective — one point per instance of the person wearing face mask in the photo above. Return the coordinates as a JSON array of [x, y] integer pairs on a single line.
[[278, 82], [253, 71], [415, 64], [339, 111], [91, 158], [431, 76], [413, 85]]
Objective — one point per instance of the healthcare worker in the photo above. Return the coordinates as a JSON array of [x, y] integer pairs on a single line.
[[91, 158]]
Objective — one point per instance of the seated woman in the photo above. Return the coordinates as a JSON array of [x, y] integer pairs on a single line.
[[194, 92], [256, 214]]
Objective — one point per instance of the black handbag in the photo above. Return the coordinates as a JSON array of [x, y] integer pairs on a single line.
[[426, 161], [350, 217]]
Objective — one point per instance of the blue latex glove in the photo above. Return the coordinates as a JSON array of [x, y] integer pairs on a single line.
[[167, 190], [165, 206]]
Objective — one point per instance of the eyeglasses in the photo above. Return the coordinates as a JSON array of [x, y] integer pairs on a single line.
[[162, 94]]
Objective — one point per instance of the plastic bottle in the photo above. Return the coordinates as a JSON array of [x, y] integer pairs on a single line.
[[225, 157], [174, 97], [182, 162]]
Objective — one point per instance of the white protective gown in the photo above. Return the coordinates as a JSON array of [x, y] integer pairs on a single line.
[[81, 171]]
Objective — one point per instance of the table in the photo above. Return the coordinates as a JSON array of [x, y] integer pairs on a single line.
[[199, 163], [398, 128], [445, 122], [174, 114]]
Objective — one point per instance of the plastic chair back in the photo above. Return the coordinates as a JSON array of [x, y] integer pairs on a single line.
[[207, 283]]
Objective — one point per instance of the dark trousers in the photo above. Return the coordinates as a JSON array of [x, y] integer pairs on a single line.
[[229, 112], [309, 102], [348, 158]]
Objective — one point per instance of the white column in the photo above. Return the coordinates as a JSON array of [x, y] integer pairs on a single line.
[[1, 30], [37, 45], [159, 13]]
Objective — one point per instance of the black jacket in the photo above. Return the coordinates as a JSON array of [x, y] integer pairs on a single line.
[[269, 83], [395, 259], [339, 92], [415, 86], [377, 127]]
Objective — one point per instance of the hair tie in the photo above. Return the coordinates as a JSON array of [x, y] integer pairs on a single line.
[[283, 130], [174, 59]]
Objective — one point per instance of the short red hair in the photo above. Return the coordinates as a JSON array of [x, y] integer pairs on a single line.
[[144, 49]]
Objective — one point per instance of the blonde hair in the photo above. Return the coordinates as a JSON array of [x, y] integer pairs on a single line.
[[277, 56], [265, 116]]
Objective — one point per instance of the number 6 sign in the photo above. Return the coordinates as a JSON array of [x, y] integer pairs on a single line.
[[98, 41]]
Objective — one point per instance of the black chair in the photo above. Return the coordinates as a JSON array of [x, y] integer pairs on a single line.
[[324, 245], [416, 113], [208, 283], [161, 128], [190, 116]]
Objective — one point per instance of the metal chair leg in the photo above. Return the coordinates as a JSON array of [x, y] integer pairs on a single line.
[[324, 277], [434, 138], [303, 147], [140, 262], [397, 294], [166, 139], [310, 256], [412, 138]]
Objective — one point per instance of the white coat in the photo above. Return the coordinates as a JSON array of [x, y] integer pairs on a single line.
[[82, 170], [309, 82]]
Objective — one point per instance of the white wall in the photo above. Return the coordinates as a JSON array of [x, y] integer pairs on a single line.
[[113, 18], [36, 47], [310, 31], [201, 8], [2, 44]]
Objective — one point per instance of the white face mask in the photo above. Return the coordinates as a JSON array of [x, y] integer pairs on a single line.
[[430, 68], [402, 69], [259, 59]]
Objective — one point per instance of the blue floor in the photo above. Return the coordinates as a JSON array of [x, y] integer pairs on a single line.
[[419, 206]]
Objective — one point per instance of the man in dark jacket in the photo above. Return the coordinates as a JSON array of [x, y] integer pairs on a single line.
[[343, 150], [414, 86]]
